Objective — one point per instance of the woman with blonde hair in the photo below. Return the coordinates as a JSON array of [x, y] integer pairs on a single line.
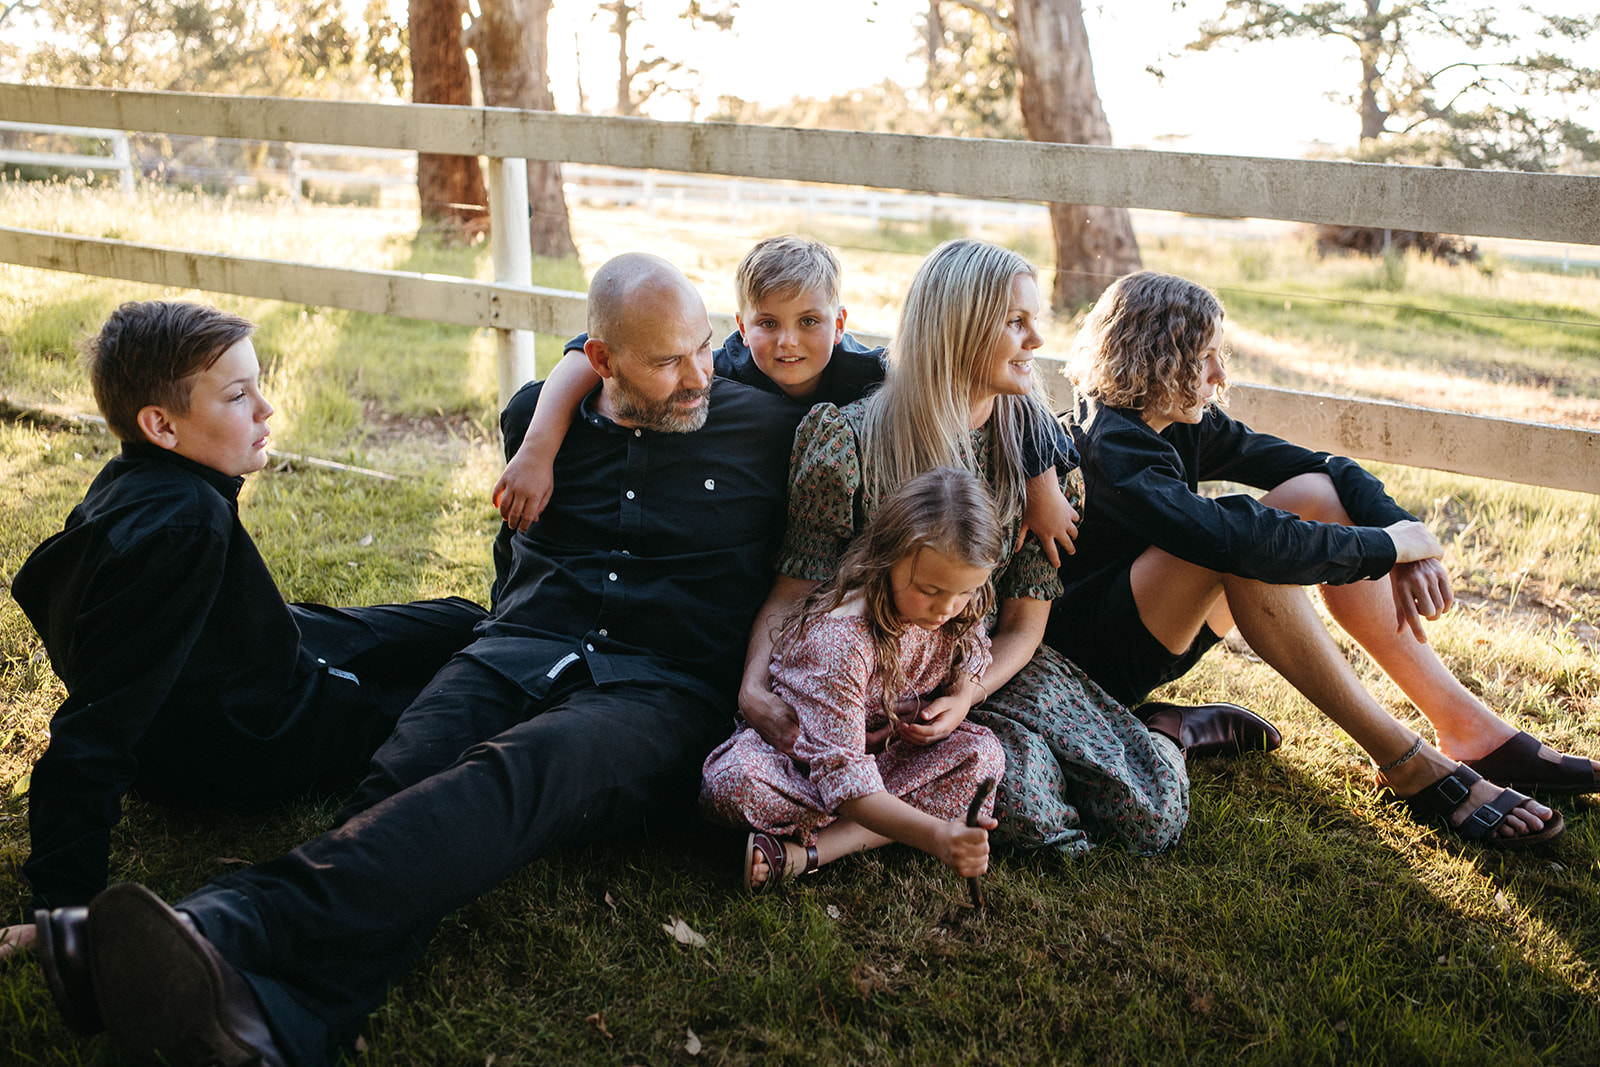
[[961, 392]]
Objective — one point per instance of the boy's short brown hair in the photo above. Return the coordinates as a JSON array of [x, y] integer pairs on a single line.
[[146, 352], [785, 267]]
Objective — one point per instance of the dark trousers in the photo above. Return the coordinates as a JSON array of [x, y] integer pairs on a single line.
[[484, 778]]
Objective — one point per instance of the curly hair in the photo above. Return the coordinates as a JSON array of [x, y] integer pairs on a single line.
[[945, 509], [1141, 345]]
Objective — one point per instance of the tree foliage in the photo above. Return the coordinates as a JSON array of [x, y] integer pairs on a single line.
[[644, 73], [322, 48], [1488, 104], [972, 74]]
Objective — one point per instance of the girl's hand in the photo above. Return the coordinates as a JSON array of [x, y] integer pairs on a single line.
[[965, 849], [524, 489], [936, 721], [1421, 591], [1048, 514]]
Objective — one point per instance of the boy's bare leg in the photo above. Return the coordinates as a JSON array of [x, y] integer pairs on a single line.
[[1283, 629], [1464, 727]]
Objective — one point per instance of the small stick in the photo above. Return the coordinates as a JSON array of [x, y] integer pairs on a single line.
[[974, 886]]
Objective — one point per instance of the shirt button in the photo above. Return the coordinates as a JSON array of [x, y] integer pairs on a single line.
[[604, 632], [589, 647], [612, 576], [711, 483], [630, 494], [638, 433], [321, 661]]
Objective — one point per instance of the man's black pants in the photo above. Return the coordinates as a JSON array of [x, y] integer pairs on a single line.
[[484, 779]]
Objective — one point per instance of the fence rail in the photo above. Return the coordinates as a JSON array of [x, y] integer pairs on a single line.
[[1538, 207]]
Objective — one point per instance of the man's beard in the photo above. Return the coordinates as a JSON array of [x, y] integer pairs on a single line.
[[663, 416]]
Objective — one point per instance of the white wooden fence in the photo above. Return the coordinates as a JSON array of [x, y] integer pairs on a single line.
[[1479, 203]]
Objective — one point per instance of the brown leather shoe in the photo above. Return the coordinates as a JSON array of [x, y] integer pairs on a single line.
[[1219, 729], [164, 988], [61, 941]]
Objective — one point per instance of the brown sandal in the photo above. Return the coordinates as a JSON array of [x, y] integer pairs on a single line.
[[1436, 803], [777, 857], [1519, 764]]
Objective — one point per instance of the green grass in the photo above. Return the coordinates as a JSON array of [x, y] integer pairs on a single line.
[[1299, 920]]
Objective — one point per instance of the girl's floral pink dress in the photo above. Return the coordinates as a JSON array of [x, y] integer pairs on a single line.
[[829, 678]]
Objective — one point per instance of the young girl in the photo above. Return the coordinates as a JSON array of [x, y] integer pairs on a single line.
[[901, 619], [1080, 770], [1164, 571]]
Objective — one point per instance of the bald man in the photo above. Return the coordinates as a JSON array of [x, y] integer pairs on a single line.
[[600, 680]]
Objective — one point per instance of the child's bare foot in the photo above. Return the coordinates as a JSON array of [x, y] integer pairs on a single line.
[[768, 859]]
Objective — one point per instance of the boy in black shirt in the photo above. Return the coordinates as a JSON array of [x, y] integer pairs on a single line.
[[188, 677], [1162, 572]]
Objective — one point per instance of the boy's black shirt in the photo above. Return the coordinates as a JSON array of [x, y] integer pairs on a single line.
[[188, 676], [1140, 490]]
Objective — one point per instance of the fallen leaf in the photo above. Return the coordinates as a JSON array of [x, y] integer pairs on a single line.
[[234, 861], [869, 981], [598, 1021], [833, 911], [692, 1045], [365, 541], [680, 932], [612, 904]]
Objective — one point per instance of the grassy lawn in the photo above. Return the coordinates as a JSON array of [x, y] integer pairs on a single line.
[[1299, 920]]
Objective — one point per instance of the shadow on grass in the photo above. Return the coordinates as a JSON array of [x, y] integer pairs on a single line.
[[1290, 925]]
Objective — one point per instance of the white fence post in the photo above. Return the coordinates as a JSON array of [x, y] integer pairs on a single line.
[[124, 157], [512, 248]]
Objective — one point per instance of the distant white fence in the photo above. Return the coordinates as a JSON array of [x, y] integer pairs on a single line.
[[120, 159], [1541, 207]]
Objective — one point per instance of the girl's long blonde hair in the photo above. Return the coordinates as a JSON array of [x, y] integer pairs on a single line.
[[953, 316], [945, 509]]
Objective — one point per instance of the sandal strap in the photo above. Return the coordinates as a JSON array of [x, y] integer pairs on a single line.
[[1440, 799], [812, 863], [772, 851]]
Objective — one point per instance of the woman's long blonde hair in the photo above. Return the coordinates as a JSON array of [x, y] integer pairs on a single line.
[[953, 316], [945, 509]]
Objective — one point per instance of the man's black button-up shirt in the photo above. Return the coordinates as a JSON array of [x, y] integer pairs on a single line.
[[654, 553]]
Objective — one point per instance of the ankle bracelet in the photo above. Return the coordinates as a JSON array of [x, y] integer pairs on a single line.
[[1416, 746]]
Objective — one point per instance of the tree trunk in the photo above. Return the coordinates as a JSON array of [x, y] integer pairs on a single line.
[[1059, 102], [449, 188], [1372, 116], [511, 40]]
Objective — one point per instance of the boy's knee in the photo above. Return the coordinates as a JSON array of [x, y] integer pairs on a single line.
[[1311, 496]]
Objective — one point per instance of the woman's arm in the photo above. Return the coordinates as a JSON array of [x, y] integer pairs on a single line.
[[1015, 639], [770, 717], [527, 482]]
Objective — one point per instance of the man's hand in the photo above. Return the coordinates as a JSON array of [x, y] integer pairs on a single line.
[[770, 717], [1421, 591], [15, 940]]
